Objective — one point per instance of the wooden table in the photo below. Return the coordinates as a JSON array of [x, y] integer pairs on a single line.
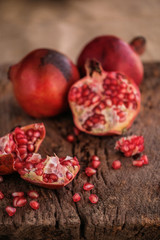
[[129, 198]]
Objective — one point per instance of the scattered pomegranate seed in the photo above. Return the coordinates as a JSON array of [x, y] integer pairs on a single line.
[[116, 164], [95, 163], [95, 158], [76, 131], [15, 199], [70, 138], [34, 205], [144, 159], [90, 171], [1, 179], [1, 195], [10, 210], [17, 194], [88, 186], [33, 194], [93, 198], [21, 202], [137, 163], [76, 197]]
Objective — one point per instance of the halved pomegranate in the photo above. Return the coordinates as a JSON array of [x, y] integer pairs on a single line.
[[17, 144], [51, 172], [104, 103]]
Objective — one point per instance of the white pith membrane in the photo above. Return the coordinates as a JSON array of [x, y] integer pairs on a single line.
[[3, 143], [130, 145], [104, 103], [53, 166]]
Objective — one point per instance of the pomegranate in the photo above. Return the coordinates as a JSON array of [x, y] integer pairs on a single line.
[[131, 145], [115, 55], [41, 81], [104, 103], [18, 144]]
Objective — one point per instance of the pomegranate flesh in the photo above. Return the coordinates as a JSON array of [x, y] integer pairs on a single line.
[[104, 103], [131, 145], [115, 55], [18, 144], [51, 172], [41, 81]]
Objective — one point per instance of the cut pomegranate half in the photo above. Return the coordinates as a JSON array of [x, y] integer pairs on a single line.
[[18, 144], [51, 172], [104, 103]]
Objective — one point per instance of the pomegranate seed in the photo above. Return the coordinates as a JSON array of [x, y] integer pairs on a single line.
[[22, 149], [90, 171], [95, 158], [144, 159], [15, 199], [95, 164], [1, 195], [10, 210], [39, 172], [76, 131], [36, 134], [29, 166], [69, 175], [34, 205], [70, 138], [40, 166], [137, 163], [93, 198], [33, 194], [1, 179], [21, 202], [29, 132], [19, 136], [54, 177], [116, 164], [88, 186], [18, 165], [17, 194], [76, 197], [30, 147], [22, 141]]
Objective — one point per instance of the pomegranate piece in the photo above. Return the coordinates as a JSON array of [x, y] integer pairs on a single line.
[[51, 172], [131, 145], [33, 194], [90, 171], [95, 164], [1, 195], [50, 76], [10, 210], [144, 159], [76, 197], [70, 138], [88, 186], [34, 204], [115, 55], [93, 198], [1, 179], [104, 103], [116, 164], [15, 146]]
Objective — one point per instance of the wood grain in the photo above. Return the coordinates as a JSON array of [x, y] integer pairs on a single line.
[[129, 198]]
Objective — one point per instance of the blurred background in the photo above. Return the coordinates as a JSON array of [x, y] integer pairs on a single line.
[[67, 25]]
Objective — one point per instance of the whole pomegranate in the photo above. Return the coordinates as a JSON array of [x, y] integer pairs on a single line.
[[17, 153], [104, 103], [115, 55], [41, 81]]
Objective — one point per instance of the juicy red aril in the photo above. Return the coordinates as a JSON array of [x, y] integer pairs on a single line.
[[21, 201], [76, 197], [130, 145], [1, 179], [93, 198], [33, 194], [95, 163], [17, 194], [70, 138], [88, 186], [1, 195], [69, 175], [144, 159], [116, 164], [30, 147], [34, 205], [15, 199], [90, 171], [137, 163], [95, 158], [10, 210]]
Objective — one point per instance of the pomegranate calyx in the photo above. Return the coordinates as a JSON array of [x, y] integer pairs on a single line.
[[138, 44]]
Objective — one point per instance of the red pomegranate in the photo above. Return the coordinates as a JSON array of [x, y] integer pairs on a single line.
[[17, 153], [104, 103], [115, 55], [41, 81]]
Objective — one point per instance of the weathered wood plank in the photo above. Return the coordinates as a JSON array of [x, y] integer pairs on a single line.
[[129, 199]]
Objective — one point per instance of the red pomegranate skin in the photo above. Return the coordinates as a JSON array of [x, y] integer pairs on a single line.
[[41, 81], [115, 55]]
